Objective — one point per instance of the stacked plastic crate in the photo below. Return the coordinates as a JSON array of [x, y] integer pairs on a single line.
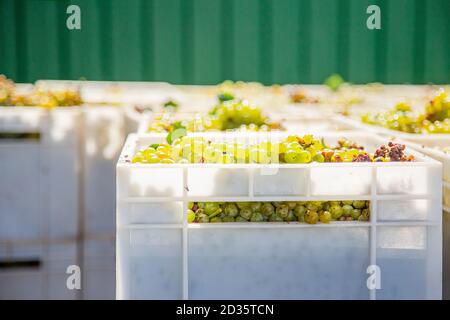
[[39, 201], [160, 255]]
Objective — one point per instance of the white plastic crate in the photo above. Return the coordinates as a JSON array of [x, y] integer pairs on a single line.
[[99, 268], [103, 135], [39, 188], [161, 256], [428, 147], [37, 271]]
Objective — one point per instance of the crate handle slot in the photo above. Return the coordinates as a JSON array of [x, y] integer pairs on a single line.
[[33, 136], [8, 264]]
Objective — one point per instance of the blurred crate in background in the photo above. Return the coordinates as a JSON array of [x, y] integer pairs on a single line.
[[37, 270]]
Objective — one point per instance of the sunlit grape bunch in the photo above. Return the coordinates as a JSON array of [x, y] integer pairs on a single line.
[[310, 212], [6, 90], [290, 150], [434, 119], [228, 115]]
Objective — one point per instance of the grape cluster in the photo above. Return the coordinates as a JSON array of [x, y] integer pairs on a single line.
[[228, 115], [291, 150], [310, 212], [392, 152], [434, 119], [42, 98]]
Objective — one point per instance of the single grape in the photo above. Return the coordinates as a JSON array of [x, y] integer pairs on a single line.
[[356, 213], [242, 205], [202, 218], [246, 213], [267, 209], [336, 212], [275, 218], [311, 217], [359, 204], [255, 206], [291, 216], [215, 220], [228, 219], [240, 219], [212, 209], [257, 217], [299, 211], [347, 210], [325, 217], [282, 211], [231, 210], [190, 216], [304, 157]]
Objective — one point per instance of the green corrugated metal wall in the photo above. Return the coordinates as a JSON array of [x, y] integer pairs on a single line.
[[207, 41]]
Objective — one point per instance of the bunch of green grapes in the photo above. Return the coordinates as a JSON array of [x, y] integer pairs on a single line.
[[400, 118], [310, 212], [228, 115], [291, 150], [434, 119], [6, 90]]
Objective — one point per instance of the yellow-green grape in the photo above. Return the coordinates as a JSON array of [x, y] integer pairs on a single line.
[[231, 210], [356, 213], [291, 204], [240, 219], [304, 157], [325, 217], [267, 209], [282, 211], [228, 219], [299, 212], [318, 157], [255, 206], [190, 216], [275, 218], [359, 204], [242, 205], [215, 220], [212, 209], [291, 216], [202, 218], [311, 217], [257, 217], [138, 157], [245, 213], [347, 210], [336, 211]]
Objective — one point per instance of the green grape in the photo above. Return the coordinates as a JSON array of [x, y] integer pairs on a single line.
[[347, 210], [304, 157], [255, 206], [347, 202], [299, 211], [336, 212], [240, 219], [231, 210], [191, 205], [190, 216], [242, 205], [365, 214], [267, 209], [215, 220], [312, 206], [257, 217], [359, 204], [282, 211], [212, 209], [291, 204], [325, 217], [318, 157], [311, 217], [275, 218], [246, 213], [356, 213], [228, 219], [291, 157], [291, 216]]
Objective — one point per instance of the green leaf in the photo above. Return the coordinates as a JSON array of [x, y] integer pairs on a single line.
[[225, 96], [154, 145], [175, 134]]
